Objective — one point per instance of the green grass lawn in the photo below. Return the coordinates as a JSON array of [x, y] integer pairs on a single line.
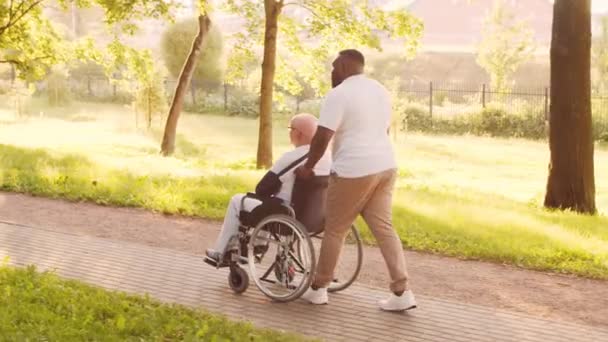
[[471, 197], [42, 307]]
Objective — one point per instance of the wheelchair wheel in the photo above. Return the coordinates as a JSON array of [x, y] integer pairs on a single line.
[[346, 272], [285, 271], [238, 279]]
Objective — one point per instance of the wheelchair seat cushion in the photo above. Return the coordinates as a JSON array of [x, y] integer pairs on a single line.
[[270, 206]]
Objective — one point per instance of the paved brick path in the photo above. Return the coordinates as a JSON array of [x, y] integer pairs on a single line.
[[351, 316]]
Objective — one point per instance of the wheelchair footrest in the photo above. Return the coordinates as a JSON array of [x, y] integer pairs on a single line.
[[214, 263]]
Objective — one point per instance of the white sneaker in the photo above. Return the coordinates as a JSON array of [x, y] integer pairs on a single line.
[[399, 303], [316, 297]]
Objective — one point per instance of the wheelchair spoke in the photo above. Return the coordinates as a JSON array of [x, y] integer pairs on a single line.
[[270, 269], [268, 281], [297, 262]]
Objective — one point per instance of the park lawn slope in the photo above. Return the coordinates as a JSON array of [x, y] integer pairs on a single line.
[[447, 220]]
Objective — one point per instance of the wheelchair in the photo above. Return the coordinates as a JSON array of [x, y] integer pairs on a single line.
[[278, 243]]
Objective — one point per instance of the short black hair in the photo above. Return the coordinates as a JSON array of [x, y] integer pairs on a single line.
[[354, 55]]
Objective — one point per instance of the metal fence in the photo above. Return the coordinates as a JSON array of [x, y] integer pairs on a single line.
[[473, 108], [449, 99], [436, 107]]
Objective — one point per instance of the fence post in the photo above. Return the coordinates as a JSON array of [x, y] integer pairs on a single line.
[[225, 97], [546, 103], [483, 95], [431, 100]]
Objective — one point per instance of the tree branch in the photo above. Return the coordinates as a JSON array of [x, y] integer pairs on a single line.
[[306, 7], [12, 22], [16, 62], [9, 61]]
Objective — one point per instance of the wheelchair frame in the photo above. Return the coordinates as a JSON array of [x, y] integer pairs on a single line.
[[241, 251]]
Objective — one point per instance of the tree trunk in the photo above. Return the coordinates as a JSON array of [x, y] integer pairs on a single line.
[[273, 10], [225, 97], [149, 107], [571, 183], [13, 74], [89, 88], [168, 144]]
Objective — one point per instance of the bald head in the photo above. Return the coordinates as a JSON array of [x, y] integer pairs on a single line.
[[303, 128]]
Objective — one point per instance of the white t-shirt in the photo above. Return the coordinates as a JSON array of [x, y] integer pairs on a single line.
[[322, 168], [359, 112]]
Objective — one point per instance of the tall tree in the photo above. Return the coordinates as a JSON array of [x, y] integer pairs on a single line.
[[272, 9], [311, 31], [571, 181], [185, 77], [506, 43]]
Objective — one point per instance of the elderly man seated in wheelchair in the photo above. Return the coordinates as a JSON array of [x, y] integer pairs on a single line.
[[270, 217]]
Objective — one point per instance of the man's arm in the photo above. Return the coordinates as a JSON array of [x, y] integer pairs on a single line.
[[318, 146]]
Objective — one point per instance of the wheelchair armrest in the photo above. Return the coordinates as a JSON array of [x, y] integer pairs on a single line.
[[255, 196], [263, 199]]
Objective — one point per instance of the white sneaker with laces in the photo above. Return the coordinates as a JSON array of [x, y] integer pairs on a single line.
[[316, 297], [399, 303]]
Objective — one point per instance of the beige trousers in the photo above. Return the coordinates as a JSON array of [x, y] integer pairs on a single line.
[[371, 196]]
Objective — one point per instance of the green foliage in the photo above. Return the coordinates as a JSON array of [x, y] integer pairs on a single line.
[[440, 97], [399, 104], [241, 62], [494, 121], [82, 70], [599, 110], [151, 99], [599, 58], [30, 42], [75, 177], [129, 67], [335, 25], [57, 87], [41, 306], [176, 44], [506, 44], [416, 117], [244, 98]]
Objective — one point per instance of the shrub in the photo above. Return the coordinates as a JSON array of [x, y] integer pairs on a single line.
[[440, 97], [416, 117], [176, 43], [494, 120], [58, 89], [532, 123], [150, 99], [599, 108]]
